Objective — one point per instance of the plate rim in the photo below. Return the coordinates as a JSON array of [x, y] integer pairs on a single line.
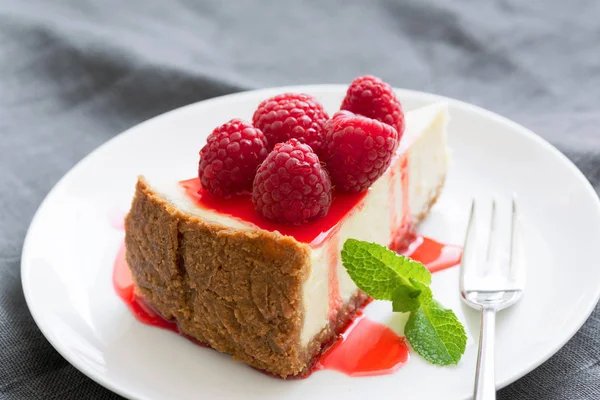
[[334, 88]]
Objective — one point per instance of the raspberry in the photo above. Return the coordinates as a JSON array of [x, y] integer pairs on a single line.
[[229, 160], [358, 150], [371, 97], [290, 186], [292, 115]]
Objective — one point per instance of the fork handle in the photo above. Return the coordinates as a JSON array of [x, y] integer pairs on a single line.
[[485, 384]]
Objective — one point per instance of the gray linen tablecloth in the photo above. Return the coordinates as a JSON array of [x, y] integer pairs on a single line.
[[73, 74]]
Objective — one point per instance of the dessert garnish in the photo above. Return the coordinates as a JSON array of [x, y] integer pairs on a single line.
[[292, 115], [229, 160], [358, 150], [373, 98], [291, 186], [433, 331]]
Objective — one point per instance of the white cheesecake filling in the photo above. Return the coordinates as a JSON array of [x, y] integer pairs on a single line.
[[424, 143]]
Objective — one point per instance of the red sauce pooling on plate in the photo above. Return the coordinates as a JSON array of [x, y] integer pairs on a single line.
[[314, 233], [434, 255], [366, 348]]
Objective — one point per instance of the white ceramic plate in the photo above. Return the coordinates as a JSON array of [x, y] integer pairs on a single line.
[[71, 245]]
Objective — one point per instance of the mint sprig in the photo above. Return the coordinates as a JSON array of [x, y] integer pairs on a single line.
[[433, 331]]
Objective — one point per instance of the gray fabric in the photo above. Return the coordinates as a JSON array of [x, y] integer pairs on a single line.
[[75, 73]]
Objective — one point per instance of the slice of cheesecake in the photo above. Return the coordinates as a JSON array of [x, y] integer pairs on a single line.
[[275, 296]]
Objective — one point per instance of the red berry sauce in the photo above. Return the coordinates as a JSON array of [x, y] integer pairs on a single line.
[[366, 348], [315, 233]]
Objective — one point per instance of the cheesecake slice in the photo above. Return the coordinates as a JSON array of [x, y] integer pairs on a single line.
[[275, 296]]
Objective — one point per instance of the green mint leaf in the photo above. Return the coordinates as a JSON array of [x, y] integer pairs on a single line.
[[426, 295], [436, 334], [408, 299], [380, 272]]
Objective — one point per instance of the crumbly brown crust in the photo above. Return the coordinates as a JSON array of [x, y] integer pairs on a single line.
[[239, 291]]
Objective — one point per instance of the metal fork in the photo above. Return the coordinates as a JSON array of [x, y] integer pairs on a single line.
[[489, 283]]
